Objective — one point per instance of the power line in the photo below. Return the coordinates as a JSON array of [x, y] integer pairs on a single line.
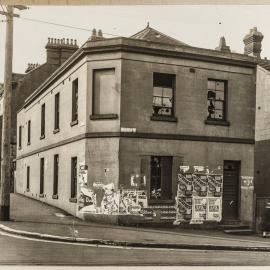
[[63, 25]]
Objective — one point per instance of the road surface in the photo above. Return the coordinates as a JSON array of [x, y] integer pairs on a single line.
[[23, 251]]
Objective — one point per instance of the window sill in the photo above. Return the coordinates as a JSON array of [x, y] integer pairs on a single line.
[[42, 137], [160, 201], [28, 143], [55, 196], [217, 122], [163, 118], [56, 130], [73, 123], [28, 189], [103, 116], [41, 195], [73, 200]]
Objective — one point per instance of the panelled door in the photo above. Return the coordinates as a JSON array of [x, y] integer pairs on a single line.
[[231, 194]]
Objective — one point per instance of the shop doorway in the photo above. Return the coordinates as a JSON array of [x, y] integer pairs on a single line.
[[231, 190]]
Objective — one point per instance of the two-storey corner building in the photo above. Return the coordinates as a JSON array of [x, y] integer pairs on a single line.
[[143, 129]]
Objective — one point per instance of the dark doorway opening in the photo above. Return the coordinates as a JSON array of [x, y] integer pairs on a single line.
[[231, 190]]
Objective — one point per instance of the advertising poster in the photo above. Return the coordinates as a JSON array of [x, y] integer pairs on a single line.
[[142, 198], [110, 202], [87, 200], [214, 185], [247, 182], [213, 211], [183, 208], [185, 179], [128, 201], [200, 184], [82, 174], [198, 209], [132, 201]]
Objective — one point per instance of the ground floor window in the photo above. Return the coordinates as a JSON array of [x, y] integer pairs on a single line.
[[55, 175], [41, 191], [73, 177], [161, 178], [28, 179]]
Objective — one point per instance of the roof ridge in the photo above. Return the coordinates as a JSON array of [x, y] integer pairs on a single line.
[[147, 32], [141, 31], [169, 36]]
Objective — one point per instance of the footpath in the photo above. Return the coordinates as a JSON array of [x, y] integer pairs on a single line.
[[34, 219]]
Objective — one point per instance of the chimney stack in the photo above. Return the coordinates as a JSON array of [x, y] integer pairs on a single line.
[[253, 43], [222, 45], [96, 35], [59, 50]]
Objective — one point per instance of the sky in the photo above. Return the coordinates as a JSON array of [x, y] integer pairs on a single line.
[[196, 25]]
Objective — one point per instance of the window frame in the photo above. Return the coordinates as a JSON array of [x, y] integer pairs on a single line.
[[29, 132], [73, 182], [42, 126], [100, 116], [75, 103], [56, 112], [28, 178], [41, 177], [163, 181], [215, 121], [163, 117], [55, 176], [20, 137]]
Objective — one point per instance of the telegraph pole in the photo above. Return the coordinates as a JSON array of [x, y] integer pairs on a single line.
[[6, 125]]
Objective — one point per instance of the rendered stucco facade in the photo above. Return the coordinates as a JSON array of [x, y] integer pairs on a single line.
[[116, 147]]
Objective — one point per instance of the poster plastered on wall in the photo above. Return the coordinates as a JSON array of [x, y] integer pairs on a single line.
[[247, 182], [185, 179], [82, 174], [213, 211], [198, 210]]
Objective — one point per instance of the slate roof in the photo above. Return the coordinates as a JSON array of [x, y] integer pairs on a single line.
[[151, 34]]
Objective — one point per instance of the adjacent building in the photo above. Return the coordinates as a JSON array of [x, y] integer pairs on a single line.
[[23, 85], [105, 135]]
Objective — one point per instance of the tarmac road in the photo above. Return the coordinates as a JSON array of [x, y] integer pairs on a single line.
[[21, 251]]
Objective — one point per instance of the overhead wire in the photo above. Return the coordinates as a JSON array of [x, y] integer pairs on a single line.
[[63, 25]]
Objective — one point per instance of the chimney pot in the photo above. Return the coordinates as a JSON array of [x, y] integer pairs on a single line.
[[253, 43], [222, 45], [100, 33]]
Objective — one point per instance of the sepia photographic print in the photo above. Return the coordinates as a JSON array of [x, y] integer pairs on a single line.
[[134, 134]]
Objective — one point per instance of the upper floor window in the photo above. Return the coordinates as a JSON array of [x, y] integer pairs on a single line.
[[56, 112], [216, 100], [105, 94], [74, 116], [42, 133], [163, 94], [29, 132], [20, 137]]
